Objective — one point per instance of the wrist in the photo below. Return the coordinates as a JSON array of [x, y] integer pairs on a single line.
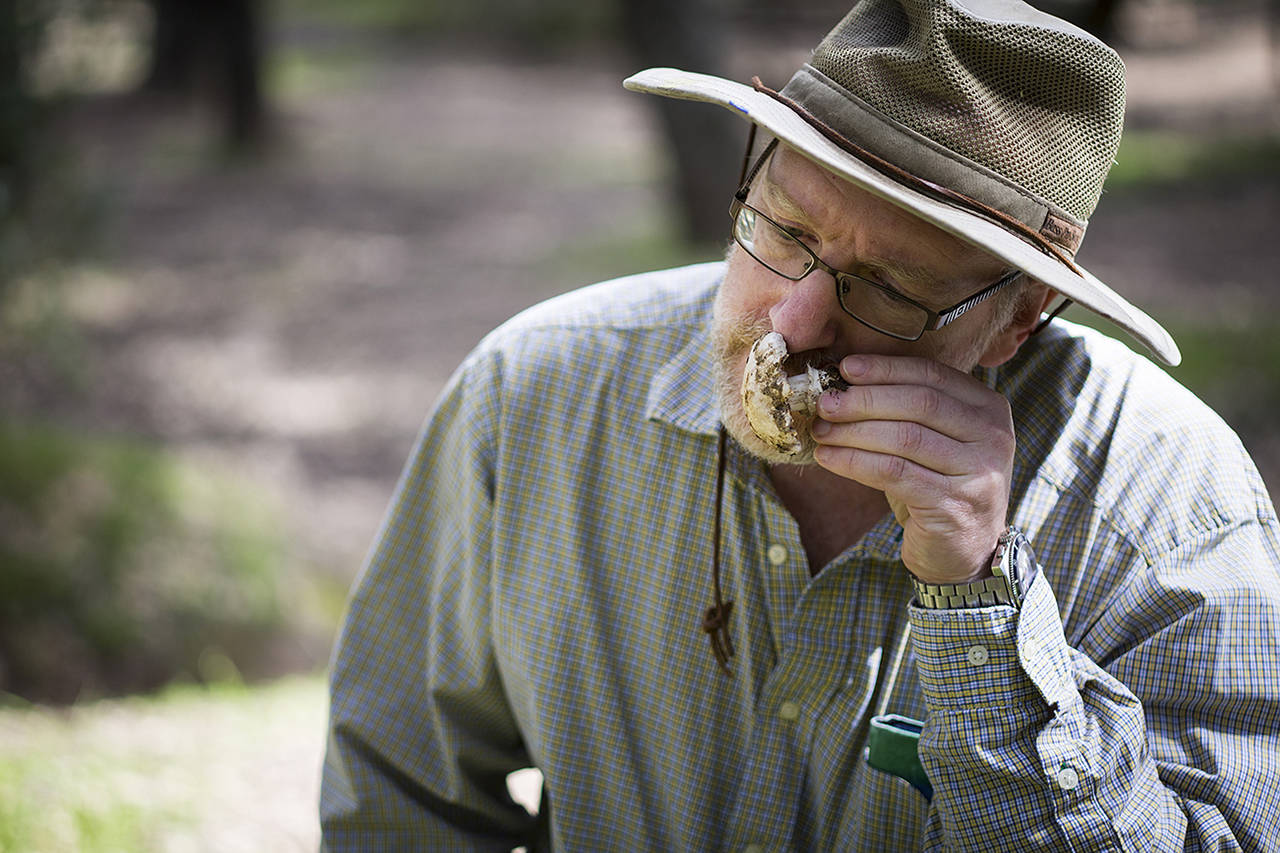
[[1004, 581], [981, 573], [977, 570]]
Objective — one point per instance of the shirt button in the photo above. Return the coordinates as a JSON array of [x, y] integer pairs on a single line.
[[753, 848], [978, 655], [789, 711], [1068, 778], [777, 554]]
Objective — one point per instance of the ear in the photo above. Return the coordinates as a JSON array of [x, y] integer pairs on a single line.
[[1031, 304]]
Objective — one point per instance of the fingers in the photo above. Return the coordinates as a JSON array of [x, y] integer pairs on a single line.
[[861, 370], [974, 492], [899, 441], [909, 421], [937, 442], [895, 403]]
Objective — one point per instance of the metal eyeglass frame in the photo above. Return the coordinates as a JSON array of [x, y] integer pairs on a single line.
[[845, 281]]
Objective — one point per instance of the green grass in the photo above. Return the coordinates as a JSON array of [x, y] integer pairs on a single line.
[[1234, 369], [126, 567], [190, 768], [296, 74]]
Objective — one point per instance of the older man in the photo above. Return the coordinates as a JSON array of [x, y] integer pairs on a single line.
[[993, 582]]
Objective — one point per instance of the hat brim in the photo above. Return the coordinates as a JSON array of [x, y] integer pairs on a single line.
[[1076, 284]]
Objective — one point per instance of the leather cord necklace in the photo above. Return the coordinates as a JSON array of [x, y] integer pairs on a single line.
[[715, 620]]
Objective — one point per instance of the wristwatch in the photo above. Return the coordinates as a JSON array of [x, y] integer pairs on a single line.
[[1013, 567]]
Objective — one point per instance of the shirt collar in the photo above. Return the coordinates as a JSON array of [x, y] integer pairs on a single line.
[[683, 392]]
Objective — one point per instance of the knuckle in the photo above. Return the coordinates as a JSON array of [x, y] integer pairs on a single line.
[[865, 398], [933, 374], [910, 436], [895, 467], [929, 401], [1003, 440], [1001, 413]]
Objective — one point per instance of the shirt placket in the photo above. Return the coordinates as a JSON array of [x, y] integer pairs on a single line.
[[812, 664]]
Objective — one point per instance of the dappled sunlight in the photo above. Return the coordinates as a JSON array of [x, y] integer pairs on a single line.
[[225, 768]]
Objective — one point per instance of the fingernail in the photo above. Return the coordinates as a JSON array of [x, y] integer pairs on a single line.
[[854, 365], [820, 428], [829, 401]]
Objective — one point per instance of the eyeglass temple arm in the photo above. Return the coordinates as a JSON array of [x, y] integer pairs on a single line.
[[748, 171], [746, 155], [946, 317], [950, 315]]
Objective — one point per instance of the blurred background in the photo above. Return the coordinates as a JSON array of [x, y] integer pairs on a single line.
[[243, 244]]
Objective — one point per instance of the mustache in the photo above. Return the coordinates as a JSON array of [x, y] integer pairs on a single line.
[[738, 332], [734, 334]]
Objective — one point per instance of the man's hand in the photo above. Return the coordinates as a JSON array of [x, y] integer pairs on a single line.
[[938, 443]]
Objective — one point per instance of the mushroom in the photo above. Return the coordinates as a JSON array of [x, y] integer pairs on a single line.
[[778, 406]]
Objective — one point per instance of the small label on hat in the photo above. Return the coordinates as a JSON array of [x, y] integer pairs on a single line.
[[1063, 232]]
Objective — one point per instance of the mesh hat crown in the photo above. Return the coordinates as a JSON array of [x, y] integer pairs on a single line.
[[1016, 109]]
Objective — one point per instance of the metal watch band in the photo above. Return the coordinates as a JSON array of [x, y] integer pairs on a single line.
[[943, 596], [1005, 586]]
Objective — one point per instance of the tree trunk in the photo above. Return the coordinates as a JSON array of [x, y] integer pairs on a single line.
[[689, 34], [15, 116], [212, 50]]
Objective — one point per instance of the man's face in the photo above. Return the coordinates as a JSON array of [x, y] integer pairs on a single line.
[[850, 229]]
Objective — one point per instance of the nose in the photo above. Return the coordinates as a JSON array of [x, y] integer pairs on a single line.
[[807, 313]]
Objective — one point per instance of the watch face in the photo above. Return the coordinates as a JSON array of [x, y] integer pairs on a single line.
[[1023, 562]]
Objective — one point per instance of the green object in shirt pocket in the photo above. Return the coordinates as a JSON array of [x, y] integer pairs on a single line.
[[892, 747]]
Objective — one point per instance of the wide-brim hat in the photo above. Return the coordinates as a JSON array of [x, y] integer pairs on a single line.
[[987, 118]]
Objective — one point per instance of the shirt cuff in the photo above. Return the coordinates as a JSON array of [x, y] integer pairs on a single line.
[[994, 656]]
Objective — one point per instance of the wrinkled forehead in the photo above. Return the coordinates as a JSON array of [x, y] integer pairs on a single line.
[[806, 192], [787, 167]]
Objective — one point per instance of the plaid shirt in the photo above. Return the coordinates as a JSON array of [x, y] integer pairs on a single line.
[[535, 594]]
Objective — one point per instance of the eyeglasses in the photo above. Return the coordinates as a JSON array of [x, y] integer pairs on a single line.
[[870, 303]]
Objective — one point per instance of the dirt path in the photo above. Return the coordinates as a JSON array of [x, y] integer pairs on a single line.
[[294, 320]]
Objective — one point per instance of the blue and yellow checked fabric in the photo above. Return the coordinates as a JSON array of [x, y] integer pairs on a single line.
[[535, 595]]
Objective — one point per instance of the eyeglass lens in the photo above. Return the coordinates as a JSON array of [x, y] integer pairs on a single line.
[[781, 252]]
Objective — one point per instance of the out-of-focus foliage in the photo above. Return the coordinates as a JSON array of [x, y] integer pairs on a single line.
[[1148, 158], [223, 768], [123, 569], [45, 217], [537, 24]]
